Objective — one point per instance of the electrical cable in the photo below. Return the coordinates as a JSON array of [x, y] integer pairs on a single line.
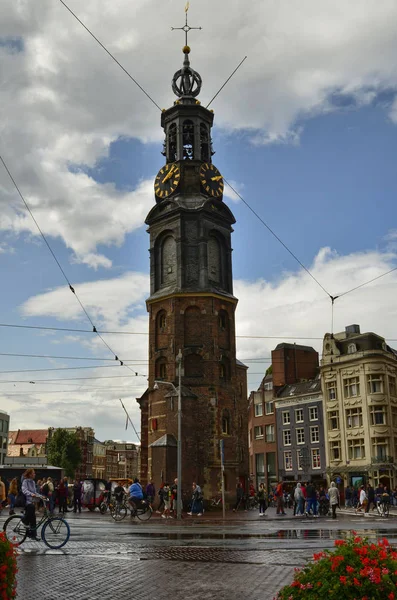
[[94, 329], [110, 54], [277, 238], [227, 80], [60, 369], [71, 378], [69, 329], [366, 283]]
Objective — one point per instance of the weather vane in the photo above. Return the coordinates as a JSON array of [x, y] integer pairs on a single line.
[[186, 28]]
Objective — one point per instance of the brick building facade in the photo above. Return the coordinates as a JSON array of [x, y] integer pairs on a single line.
[[192, 308]]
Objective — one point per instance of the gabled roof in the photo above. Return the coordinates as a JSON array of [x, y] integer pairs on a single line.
[[299, 389], [31, 436]]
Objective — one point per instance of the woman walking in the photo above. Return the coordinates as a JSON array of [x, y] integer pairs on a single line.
[[261, 495], [197, 501], [333, 494], [12, 494], [299, 498]]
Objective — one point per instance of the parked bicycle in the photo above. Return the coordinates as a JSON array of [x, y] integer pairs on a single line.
[[216, 502], [383, 506], [55, 531]]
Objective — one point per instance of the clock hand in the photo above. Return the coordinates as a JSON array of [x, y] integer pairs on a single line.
[[217, 178], [169, 175]]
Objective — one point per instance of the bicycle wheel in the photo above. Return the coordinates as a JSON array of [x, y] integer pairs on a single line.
[[55, 533], [103, 508], [119, 512], [15, 530], [144, 513]]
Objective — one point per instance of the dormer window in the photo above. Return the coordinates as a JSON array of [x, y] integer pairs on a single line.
[[351, 349], [30, 441]]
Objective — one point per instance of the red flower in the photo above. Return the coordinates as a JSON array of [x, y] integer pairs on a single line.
[[343, 579]]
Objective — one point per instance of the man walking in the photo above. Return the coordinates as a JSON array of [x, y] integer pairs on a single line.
[[311, 495], [279, 493]]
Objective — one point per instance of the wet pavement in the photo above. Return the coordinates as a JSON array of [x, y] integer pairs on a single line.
[[207, 558]]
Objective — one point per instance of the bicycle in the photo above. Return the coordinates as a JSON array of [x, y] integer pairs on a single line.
[[383, 507], [118, 508], [55, 531], [143, 512], [216, 502]]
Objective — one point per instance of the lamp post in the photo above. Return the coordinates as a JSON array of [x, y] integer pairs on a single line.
[[179, 441]]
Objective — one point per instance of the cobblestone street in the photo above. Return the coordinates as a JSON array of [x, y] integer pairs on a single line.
[[243, 556]]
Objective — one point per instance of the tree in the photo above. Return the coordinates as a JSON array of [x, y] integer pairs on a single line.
[[63, 450]]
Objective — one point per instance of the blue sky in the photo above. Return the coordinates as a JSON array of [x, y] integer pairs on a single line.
[[306, 131]]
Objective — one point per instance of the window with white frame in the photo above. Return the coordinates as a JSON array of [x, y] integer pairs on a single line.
[[379, 448], [288, 460], [316, 461], [354, 418], [378, 415], [269, 432], [313, 413], [351, 349], [314, 434], [287, 437], [299, 460], [335, 450], [351, 387], [258, 432], [356, 449], [258, 409], [286, 417], [331, 390], [333, 419], [269, 407], [299, 415], [375, 383], [392, 386], [300, 436]]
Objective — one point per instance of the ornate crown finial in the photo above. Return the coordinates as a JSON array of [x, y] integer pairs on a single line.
[[186, 81]]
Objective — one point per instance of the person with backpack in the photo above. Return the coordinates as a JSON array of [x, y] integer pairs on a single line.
[[167, 502], [161, 496]]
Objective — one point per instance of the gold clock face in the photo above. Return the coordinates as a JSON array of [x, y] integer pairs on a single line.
[[211, 180], [167, 180]]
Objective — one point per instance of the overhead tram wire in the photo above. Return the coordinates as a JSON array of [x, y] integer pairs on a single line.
[[68, 379], [102, 332], [94, 329], [366, 283], [277, 238], [227, 80], [110, 54]]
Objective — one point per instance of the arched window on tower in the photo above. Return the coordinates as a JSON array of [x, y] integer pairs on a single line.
[[172, 143], [204, 143], [168, 261], [188, 139], [193, 365], [214, 260], [193, 327], [224, 330], [226, 425], [161, 334], [161, 368], [224, 369]]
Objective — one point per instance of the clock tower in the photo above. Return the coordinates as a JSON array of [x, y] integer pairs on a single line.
[[192, 310]]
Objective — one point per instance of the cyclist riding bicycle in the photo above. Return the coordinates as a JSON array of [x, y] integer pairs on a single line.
[[136, 494]]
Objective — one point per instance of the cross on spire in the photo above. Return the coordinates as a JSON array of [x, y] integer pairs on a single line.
[[186, 28]]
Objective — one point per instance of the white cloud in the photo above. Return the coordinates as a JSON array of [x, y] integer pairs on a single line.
[[294, 306], [65, 100]]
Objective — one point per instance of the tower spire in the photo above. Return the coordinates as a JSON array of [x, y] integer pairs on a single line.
[[186, 28], [186, 82]]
